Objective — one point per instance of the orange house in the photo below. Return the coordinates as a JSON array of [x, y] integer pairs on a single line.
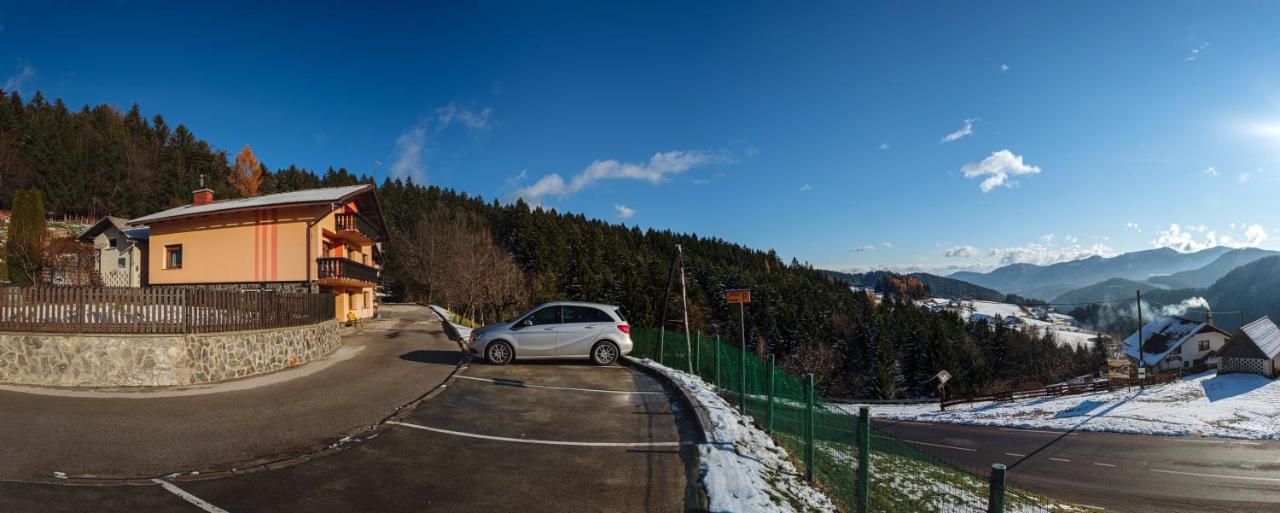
[[317, 240]]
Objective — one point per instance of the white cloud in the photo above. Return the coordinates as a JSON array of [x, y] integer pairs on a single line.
[[963, 132], [885, 146], [806, 188], [1045, 254], [659, 168], [624, 211], [1186, 241], [16, 82], [1048, 237], [1132, 226], [1004, 67], [410, 147], [455, 114], [887, 244], [864, 248], [1211, 171], [961, 252], [1243, 177], [998, 168], [1197, 52]]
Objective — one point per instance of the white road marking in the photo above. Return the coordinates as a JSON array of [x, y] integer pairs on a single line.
[[1228, 442], [553, 387], [1060, 459], [1220, 476], [1103, 464], [540, 442], [937, 445], [1015, 455], [198, 502]]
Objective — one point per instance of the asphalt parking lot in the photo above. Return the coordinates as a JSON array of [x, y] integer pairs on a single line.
[[528, 437]]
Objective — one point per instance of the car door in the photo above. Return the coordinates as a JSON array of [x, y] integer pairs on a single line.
[[581, 328], [540, 338]]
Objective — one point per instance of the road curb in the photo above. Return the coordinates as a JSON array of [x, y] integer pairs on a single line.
[[695, 499]]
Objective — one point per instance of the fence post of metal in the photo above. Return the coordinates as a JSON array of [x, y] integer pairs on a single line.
[[717, 352], [769, 409], [808, 428], [186, 310], [662, 343], [742, 381], [995, 504], [697, 355], [864, 460]]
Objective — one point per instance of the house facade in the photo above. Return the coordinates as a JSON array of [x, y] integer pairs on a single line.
[[1253, 349], [120, 252], [318, 240], [1171, 343]]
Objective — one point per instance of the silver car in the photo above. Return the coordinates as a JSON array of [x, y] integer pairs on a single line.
[[557, 330]]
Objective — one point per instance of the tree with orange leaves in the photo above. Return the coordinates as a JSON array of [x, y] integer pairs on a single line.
[[245, 176]]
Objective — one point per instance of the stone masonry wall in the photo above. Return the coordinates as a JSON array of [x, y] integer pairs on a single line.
[[103, 360]]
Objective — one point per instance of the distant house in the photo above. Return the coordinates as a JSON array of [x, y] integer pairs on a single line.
[[1172, 343], [121, 252], [318, 240], [1254, 349]]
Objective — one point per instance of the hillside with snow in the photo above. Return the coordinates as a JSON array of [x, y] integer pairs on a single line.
[[1042, 320], [1241, 406]]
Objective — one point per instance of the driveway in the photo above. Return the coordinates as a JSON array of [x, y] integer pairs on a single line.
[[220, 426], [527, 437]]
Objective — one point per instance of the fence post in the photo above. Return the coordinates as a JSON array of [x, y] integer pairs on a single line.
[[717, 352], [863, 500], [742, 381], [995, 503], [769, 409], [662, 343], [697, 358], [186, 310], [808, 428]]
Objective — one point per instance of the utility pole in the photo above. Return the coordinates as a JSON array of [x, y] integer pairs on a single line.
[[1141, 383], [684, 303], [677, 262]]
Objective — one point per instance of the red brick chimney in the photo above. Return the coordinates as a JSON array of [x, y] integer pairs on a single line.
[[203, 197]]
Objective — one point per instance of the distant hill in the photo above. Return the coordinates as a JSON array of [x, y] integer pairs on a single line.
[[1253, 287], [1053, 280], [938, 286], [1121, 289], [1207, 275]]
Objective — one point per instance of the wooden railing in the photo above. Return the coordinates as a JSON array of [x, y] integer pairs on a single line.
[[347, 222], [156, 310], [1062, 390], [345, 269]]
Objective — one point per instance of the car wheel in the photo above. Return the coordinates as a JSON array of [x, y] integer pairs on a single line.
[[499, 353], [604, 353]]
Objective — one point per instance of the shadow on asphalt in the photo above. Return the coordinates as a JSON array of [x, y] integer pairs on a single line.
[[431, 356]]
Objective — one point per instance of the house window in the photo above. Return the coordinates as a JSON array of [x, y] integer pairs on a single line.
[[122, 262], [1204, 345], [173, 256], [111, 243]]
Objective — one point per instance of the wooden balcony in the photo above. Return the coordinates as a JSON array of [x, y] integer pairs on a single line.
[[344, 272], [355, 228]]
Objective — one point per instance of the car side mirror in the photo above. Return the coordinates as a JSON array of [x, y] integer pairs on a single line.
[[526, 323]]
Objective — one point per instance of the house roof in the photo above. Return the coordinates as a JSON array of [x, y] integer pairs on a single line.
[[135, 233], [1163, 335], [361, 193], [1258, 339]]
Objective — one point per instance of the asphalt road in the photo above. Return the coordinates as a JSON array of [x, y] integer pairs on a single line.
[[527, 437], [1118, 472]]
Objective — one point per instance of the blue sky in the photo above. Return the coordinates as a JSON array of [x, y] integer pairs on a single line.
[[848, 135]]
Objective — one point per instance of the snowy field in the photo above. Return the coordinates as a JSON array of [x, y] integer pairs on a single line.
[[1241, 406], [1057, 323]]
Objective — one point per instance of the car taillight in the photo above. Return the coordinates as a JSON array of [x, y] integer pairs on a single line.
[[624, 328]]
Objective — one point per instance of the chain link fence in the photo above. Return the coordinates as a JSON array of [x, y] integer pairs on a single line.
[[831, 444]]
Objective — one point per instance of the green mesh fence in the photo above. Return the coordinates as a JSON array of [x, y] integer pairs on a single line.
[[823, 436]]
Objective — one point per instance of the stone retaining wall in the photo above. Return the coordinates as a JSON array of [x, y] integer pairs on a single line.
[[108, 360]]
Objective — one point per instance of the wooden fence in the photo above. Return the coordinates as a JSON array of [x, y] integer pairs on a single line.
[[156, 310], [1060, 390]]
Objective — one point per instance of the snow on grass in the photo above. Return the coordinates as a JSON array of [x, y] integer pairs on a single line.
[[1243, 406], [742, 468]]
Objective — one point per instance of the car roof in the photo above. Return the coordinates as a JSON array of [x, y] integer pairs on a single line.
[[577, 303]]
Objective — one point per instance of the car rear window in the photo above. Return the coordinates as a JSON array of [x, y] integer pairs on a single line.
[[618, 312], [574, 314]]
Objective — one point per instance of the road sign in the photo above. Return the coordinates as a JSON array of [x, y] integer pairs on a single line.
[[943, 377], [737, 296]]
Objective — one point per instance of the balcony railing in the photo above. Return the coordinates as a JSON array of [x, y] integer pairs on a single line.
[[356, 224], [344, 271]]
